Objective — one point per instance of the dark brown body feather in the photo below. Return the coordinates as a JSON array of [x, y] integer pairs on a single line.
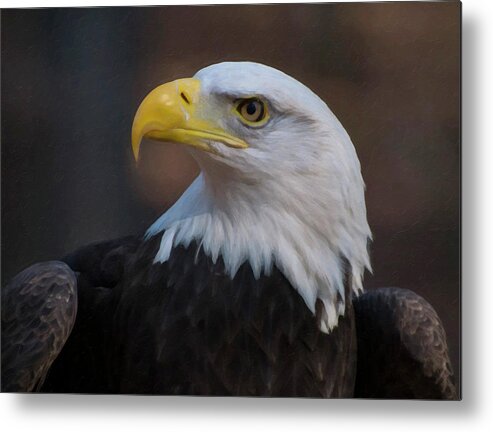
[[183, 327], [402, 348]]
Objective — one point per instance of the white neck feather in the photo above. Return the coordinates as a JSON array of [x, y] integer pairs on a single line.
[[266, 227]]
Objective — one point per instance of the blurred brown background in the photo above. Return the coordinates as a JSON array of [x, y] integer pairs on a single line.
[[73, 78]]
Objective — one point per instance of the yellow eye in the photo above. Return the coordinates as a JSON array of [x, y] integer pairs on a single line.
[[252, 111]]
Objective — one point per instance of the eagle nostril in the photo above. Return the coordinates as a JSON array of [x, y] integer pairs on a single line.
[[185, 98]]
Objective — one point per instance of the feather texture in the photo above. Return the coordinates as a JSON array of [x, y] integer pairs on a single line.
[[38, 312], [402, 348], [184, 327]]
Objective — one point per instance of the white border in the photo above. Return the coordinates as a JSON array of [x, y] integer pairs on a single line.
[[127, 413]]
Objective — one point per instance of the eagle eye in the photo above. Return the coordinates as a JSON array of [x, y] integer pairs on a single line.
[[252, 111]]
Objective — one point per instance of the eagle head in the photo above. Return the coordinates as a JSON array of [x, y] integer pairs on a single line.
[[280, 181]]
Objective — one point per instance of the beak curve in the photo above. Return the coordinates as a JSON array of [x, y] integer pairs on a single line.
[[168, 113]]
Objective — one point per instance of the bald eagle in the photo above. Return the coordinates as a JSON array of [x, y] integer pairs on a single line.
[[250, 284]]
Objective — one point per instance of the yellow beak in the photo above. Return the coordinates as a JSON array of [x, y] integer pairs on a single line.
[[168, 113]]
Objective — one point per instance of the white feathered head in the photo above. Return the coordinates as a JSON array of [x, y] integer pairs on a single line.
[[280, 186]]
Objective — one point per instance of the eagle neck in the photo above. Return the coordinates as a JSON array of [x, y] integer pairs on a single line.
[[240, 222]]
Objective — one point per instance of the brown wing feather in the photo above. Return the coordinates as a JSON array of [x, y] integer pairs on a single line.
[[402, 347], [38, 312]]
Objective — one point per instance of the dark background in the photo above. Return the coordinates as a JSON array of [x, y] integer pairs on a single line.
[[73, 78]]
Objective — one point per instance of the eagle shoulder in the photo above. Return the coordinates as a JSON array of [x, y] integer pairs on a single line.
[[402, 347], [39, 306]]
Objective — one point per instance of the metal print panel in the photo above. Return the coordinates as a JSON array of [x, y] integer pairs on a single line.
[[232, 200]]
